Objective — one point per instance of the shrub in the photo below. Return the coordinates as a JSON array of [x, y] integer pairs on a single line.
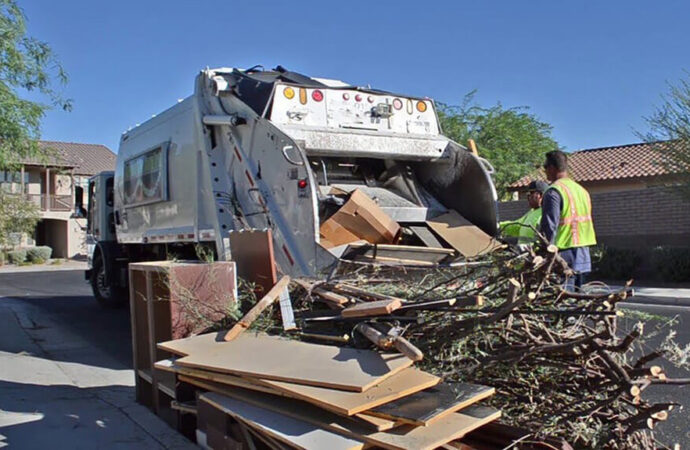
[[16, 256], [39, 255], [671, 263], [615, 263]]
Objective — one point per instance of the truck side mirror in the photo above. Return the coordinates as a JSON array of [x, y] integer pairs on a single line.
[[79, 210]]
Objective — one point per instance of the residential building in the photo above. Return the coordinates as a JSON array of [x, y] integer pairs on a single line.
[[637, 200], [51, 185]]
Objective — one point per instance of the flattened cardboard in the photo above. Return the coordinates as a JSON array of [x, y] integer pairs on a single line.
[[463, 236]]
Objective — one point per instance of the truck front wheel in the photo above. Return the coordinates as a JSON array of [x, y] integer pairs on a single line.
[[106, 294]]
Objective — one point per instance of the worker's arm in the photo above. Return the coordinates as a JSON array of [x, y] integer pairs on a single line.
[[550, 214]]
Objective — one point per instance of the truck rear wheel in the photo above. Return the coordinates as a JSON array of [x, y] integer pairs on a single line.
[[107, 295]]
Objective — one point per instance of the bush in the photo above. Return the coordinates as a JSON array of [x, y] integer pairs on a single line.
[[615, 263], [16, 256], [671, 263], [39, 255]]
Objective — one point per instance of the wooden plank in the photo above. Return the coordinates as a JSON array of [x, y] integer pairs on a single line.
[[462, 236], [375, 308], [451, 427], [223, 378], [432, 404], [252, 251], [292, 361], [271, 296], [397, 254], [407, 382], [370, 422], [283, 428]]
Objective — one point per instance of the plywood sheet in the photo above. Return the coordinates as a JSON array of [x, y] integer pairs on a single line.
[[370, 422], [434, 403], [183, 347], [286, 429], [406, 382], [275, 358], [451, 427], [462, 236]]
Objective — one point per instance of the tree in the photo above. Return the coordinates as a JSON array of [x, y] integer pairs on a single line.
[[27, 66], [512, 139], [17, 215], [669, 132]]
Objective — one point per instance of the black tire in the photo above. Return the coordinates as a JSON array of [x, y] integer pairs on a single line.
[[107, 295]]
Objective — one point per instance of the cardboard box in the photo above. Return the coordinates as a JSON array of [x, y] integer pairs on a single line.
[[359, 218]]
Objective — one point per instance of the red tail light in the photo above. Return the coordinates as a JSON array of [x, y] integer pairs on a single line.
[[302, 183], [358, 98], [317, 95], [397, 103]]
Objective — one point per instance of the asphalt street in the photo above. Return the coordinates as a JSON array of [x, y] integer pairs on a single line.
[[58, 306]]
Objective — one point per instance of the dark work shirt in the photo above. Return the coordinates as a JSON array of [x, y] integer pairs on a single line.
[[578, 258]]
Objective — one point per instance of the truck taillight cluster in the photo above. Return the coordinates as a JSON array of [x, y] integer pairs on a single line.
[[318, 96]]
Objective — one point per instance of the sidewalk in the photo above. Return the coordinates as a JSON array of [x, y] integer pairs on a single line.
[[51, 402], [64, 265]]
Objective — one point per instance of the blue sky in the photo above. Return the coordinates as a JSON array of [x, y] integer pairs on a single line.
[[592, 69]]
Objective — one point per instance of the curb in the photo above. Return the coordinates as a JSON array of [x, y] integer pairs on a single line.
[[48, 268]]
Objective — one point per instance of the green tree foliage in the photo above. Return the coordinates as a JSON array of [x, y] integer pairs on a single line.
[[669, 130], [512, 139], [27, 67], [17, 215]]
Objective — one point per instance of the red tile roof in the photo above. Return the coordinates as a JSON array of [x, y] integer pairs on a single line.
[[615, 163], [86, 159]]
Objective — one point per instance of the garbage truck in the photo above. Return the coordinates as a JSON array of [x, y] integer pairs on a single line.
[[265, 149]]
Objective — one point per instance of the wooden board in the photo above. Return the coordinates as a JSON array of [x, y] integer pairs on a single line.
[[407, 382], [275, 358], [451, 427], [252, 251], [397, 254], [374, 308], [283, 428], [462, 236], [371, 423], [432, 404], [377, 423], [404, 383], [183, 347]]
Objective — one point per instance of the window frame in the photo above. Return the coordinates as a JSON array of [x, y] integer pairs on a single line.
[[163, 167]]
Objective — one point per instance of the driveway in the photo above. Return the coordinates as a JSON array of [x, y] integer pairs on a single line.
[[65, 370]]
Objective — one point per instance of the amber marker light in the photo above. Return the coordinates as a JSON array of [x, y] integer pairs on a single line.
[[289, 93], [421, 106], [303, 96]]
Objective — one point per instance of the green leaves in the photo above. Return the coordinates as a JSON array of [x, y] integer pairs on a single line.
[[17, 215], [671, 122], [26, 65], [512, 139]]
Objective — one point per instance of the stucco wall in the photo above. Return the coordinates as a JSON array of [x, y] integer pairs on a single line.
[[640, 218]]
